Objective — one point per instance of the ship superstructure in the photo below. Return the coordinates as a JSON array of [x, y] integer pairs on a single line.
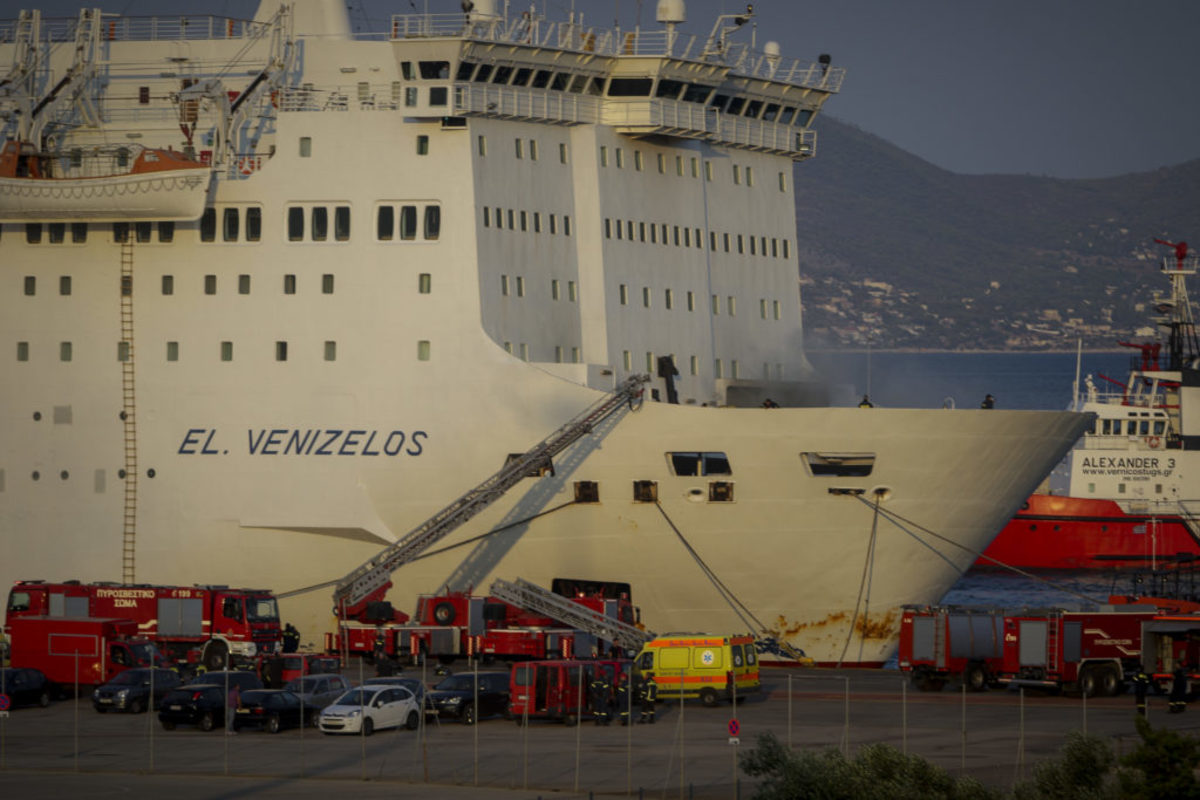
[[418, 252]]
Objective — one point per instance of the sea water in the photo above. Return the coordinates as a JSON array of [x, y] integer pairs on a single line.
[[1041, 381]]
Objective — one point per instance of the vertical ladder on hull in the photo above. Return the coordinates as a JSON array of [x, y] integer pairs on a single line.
[[128, 415], [534, 598], [1053, 630]]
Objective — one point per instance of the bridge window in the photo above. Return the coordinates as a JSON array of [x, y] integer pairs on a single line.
[[522, 78], [736, 105], [560, 81], [841, 465], [465, 68], [668, 89], [752, 108], [630, 87], [699, 463], [541, 79], [785, 116], [770, 114], [697, 93], [434, 70]]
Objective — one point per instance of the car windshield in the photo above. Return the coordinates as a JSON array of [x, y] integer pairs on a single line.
[[456, 683], [357, 697], [130, 677], [303, 684], [262, 609]]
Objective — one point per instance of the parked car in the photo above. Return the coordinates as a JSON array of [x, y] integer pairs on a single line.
[[130, 690], [279, 670], [272, 710], [26, 687], [455, 697], [318, 691], [242, 679], [414, 685], [370, 708], [199, 704]]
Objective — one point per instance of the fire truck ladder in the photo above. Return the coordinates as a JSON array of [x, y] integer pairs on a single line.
[[534, 598], [375, 574], [128, 415]]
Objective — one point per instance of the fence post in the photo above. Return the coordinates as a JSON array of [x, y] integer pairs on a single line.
[[904, 716]]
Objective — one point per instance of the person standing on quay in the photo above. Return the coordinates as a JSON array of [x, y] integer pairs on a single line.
[[1141, 683], [1179, 689]]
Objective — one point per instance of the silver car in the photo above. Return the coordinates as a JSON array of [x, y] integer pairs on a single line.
[[370, 708], [318, 691]]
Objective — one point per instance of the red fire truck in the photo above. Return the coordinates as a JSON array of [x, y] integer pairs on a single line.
[[212, 624], [83, 651], [938, 644]]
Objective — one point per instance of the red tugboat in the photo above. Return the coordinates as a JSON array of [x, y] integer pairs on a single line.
[[1134, 494]]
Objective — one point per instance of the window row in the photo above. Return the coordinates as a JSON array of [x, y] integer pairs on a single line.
[[329, 351], [424, 284], [767, 309], [402, 222], [769, 371], [515, 286], [683, 236], [517, 219]]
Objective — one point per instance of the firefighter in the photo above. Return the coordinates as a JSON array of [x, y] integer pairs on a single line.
[[1179, 687], [598, 693], [291, 639], [648, 694], [624, 699], [1141, 683]]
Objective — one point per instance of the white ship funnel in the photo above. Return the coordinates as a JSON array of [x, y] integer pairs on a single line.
[[310, 17]]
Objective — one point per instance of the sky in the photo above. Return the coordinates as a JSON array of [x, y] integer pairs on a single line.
[[1061, 88]]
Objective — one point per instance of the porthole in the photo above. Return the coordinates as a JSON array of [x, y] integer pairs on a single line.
[[64, 474], [150, 473], [121, 473], [37, 416], [37, 475]]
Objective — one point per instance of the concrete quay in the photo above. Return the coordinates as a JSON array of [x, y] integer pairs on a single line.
[[996, 736]]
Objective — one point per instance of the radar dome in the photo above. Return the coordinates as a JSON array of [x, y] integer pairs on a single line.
[[771, 49], [671, 11]]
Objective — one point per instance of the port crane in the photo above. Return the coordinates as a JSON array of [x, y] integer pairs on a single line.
[[366, 585]]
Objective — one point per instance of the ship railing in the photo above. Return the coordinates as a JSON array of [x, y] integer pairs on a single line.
[[740, 58], [142, 29], [505, 101]]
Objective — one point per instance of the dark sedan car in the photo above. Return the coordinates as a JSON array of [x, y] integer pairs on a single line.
[[454, 697], [202, 705], [130, 691], [272, 710], [241, 678], [26, 687]]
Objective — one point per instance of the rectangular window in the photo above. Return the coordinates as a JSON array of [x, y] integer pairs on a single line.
[[533, 151], [524, 351], [740, 243], [504, 286], [775, 307], [341, 223], [603, 155], [731, 305], [142, 231], [208, 225], [653, 233], [752, 250], [210, 284], [645, 297], [57, 232], [566, 225], [168, 284], [305, 146], [725, 239], [438, 95], [716, 305], [424, 283], [694, 365], [708, 171], [786, 247], [229, 225], [695, 167], [662, 164], [172, 351], [295, 222], [641, 231], [511, 220], [243, 284], [410, 95], [120, 232], [166, 230], [774, 248], [281, 351], [691, 301], [481, 145], [717, 373], [331, 351], [839, 465], [408, 222], [227, 351], [623, 292], [385, 222], [737, 175], [519, 148], [422, 145], [553, 288], [22, 351], [122, 351], [699, 464], [571, 291], [64, 351], [553, 224], [562, 153], [679, 166], [637, 160], [558, 353], [520, 286], [668, 299], [327, 284], [537, 222], [30, 285], [289, 284], [782, 182], [627, 360], [320, 223], [650, 362], [762, 308], [620, 158], [524, 221], [433, 222], [79, 232], [677, 236], [607, 228]]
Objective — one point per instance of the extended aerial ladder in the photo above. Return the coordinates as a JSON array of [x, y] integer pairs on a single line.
[[368, 583], [531, 597]]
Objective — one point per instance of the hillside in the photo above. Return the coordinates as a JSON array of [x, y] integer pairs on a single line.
[[906, 253]]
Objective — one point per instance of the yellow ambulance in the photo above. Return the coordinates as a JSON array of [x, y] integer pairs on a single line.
[[701, 665]]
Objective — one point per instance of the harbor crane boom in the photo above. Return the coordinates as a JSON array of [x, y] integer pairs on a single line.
[[369, 582]]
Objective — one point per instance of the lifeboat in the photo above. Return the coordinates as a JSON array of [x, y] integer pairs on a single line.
[[104, 183]]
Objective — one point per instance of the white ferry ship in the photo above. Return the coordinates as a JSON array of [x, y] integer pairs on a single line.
[[417, 252]]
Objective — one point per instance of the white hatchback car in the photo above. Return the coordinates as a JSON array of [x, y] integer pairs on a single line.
[[369, 708]]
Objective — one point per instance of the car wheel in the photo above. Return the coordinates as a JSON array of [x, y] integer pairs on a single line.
[[273, 725], [206, 721], [413, 722], [467, 717], [708, 697], [368, 726], [168, 725], [571, 720], [136, 707], [44, 699]]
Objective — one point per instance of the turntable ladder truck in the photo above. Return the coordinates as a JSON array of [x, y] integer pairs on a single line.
[[534, 598], [369, 583]]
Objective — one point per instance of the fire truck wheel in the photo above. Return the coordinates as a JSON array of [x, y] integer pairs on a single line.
[[136, 707], [519, 720], [1110, 681], [273, 725], [443, 613], [708, 697], [214, 655], [1087, 682], [975, 677], [467, 715], [413, 722], [207, 723]]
